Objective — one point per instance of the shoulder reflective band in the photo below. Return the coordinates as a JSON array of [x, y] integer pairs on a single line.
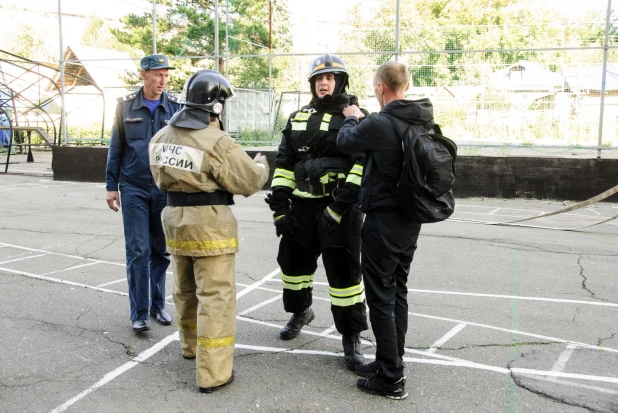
[[300, 121], [283, 177], [346, 297], [325, 121], [297, 282], [206, 342], [355, 175]]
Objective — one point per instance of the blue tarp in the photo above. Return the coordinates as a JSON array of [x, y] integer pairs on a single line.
[[4, 134]]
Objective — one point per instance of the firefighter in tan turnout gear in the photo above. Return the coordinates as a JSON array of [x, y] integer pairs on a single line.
[[314, 194], [200, 167]]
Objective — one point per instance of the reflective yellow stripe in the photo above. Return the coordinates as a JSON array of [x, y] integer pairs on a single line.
[[216, 244], [278, 217], [346, 292], [284, 173], [334, 215], [205, 342], [299, 125], [187, 327], [300, 116], [357, 169], [355, 179], [283, 182], [346, 297], [303, 194], [347, 302], [326, 178], [298, 282], [325, 121]]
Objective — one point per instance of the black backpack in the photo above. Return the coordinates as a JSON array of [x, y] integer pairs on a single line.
[[424, 191]]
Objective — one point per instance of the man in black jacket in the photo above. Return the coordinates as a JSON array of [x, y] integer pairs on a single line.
[[314, 195], [389, 237]]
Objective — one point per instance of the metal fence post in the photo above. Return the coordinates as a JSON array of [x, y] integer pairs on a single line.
[[604, 75]]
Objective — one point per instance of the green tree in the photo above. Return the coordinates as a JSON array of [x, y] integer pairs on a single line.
[[187, 28], [446, 32]]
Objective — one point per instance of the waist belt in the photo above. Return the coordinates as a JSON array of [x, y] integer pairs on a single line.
[[199, 198], [318, 188]]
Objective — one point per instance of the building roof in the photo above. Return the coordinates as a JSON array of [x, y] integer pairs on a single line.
[[526, 76], [100, 67], [589, 77]]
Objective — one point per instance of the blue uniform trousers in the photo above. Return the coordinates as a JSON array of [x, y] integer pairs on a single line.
[[147, 259]]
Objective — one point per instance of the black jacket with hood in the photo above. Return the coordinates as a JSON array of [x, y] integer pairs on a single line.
[[379, 136]]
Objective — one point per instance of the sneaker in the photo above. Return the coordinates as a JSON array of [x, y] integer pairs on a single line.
[[211, 389], [367, 369], [370, 369], [375, 385]]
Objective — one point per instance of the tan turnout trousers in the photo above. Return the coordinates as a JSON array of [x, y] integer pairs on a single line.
[[205, 298]]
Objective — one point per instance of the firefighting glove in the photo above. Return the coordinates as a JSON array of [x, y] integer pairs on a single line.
[[285, 223], [344, 198]]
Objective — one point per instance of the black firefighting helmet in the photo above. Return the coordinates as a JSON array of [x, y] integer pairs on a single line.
[[329, 63], [205, 93], [207, 90]]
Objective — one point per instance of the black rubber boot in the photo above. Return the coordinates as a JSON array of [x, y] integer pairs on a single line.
[[296, 323], [351, 351]]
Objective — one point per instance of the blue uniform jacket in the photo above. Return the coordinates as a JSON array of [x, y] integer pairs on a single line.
[[129, 162]]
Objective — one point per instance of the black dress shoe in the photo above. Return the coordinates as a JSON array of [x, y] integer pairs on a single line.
[[296, 323], [161, 316], [211, 389], [140, 325]]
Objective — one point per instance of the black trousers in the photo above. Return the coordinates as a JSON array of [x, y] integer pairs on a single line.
[[389, 242], [340, 251]]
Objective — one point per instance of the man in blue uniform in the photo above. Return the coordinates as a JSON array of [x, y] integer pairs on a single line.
[[315, 189], [138, 117]]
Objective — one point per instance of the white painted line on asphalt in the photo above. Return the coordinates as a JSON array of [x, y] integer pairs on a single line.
[[259, 288], [60, 254], [446, 338], [522, 333], [115, 373], [257, 284], [278, 291], [490, 212], [112, 282], [72, 268], [572, 384], [434, 358], [140, 358], [367, 356], [60, 281], [564, 358], [262, 304], [532, 372], [552, 300], [22, 258], [328, 330]]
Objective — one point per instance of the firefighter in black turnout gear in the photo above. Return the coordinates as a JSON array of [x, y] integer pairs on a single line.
[[314, 195]]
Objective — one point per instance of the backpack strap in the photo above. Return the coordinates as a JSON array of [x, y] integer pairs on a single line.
[[388, 183]]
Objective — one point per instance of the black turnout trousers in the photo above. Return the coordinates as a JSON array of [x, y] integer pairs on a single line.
[[389, 241]]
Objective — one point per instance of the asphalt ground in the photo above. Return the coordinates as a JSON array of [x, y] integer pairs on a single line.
[[502, 318]]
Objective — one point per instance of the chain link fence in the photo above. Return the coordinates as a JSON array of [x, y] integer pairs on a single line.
[[547, 87]]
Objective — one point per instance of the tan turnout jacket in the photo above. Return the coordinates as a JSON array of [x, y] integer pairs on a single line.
[[203, 160]]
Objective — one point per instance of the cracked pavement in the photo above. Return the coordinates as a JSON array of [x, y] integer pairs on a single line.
[[60, 338]]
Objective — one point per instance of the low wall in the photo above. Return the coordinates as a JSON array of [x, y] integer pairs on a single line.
[[490, 177]]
